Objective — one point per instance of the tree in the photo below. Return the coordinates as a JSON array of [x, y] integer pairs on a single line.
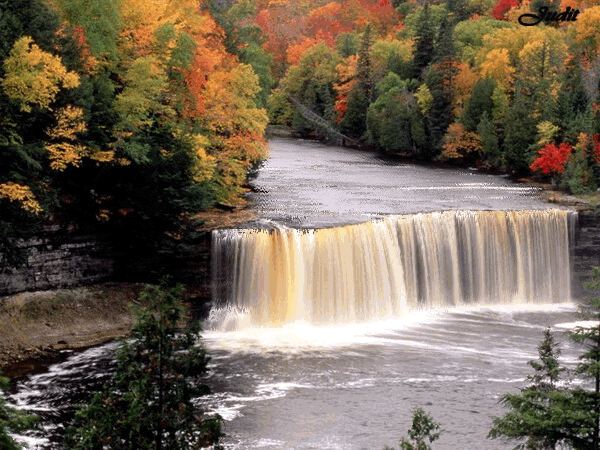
[[11, 420], [34, 77], [489, 141], [479, 103], [552, 159], [394, 120], [540, 413], [424, 40], [519, 134], [589, 365], [460, 144], [578, 176], [148, 403], [354, 122], [423, 432], [439, 81]]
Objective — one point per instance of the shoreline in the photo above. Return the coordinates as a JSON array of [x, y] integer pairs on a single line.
[[39, 325]]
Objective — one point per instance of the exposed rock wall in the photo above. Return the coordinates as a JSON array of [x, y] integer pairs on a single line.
[[56, 259], [586, 249]]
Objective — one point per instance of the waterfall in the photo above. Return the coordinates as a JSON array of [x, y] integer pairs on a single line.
[[390, 266]]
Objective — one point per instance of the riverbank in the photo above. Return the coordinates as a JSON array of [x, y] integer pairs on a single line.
[[37, 325]]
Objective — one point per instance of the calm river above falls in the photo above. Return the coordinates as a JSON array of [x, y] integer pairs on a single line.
[[366, 288]]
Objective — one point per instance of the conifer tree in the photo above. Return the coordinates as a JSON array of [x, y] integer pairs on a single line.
[[354, 122], [489, 141], [148, 403], [539, 414], [424, 41], [519, 134], [479, 102], [589, 365]]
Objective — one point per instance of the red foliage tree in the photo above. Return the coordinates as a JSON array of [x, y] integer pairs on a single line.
[[596, 148], [552, 159], [502, 7]]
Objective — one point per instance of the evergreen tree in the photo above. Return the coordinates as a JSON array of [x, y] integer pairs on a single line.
[[354, 122], [489, 141], [519, 135], [11, 421], [424, 40], [444, 44], [540, 414], [479, 102], [439, 81], [573, 105], [589, 365], [148, 403], [578, 177]]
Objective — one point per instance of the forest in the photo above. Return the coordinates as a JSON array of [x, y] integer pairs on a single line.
[[131, 116]]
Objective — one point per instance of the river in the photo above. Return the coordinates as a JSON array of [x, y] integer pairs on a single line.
[[367, 287]]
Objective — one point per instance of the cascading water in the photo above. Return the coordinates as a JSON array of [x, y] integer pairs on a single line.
[[391, 266]]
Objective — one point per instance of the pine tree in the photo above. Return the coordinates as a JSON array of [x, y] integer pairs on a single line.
[[148, 403], [519, 135], [489, 141], [424, 40], [540, 414], [589, 365], [479, 102], [354, 122]]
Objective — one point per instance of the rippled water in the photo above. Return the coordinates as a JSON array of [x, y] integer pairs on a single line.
[[309, 184], [347, 386]]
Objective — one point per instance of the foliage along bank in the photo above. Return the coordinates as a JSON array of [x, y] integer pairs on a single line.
[[127, 116], [458, 81]]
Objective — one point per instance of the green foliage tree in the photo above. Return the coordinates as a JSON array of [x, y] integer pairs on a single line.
[[394, 120], [540, 413], [489, 141], [423, 432], [148, 403], [589, 365], [354, 123], [424, 41], [519, 135], [578, 177], [439, 81], [479, 102]]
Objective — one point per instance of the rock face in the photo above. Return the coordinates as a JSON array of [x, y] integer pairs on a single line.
[[586, 249], [56, 259]]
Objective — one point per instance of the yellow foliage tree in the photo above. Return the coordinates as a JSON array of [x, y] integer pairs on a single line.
[[64, 147], [34, 77], [230, 102], [587, 29], [497, 65], [20, 194], [464, 81]]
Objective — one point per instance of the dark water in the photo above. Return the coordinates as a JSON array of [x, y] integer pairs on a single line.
[[347, 386], [342, 387]]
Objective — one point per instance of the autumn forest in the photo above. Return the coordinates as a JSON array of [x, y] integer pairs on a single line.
[[128, 114]]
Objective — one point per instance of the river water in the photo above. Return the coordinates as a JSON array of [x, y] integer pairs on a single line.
[[313, 348]]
